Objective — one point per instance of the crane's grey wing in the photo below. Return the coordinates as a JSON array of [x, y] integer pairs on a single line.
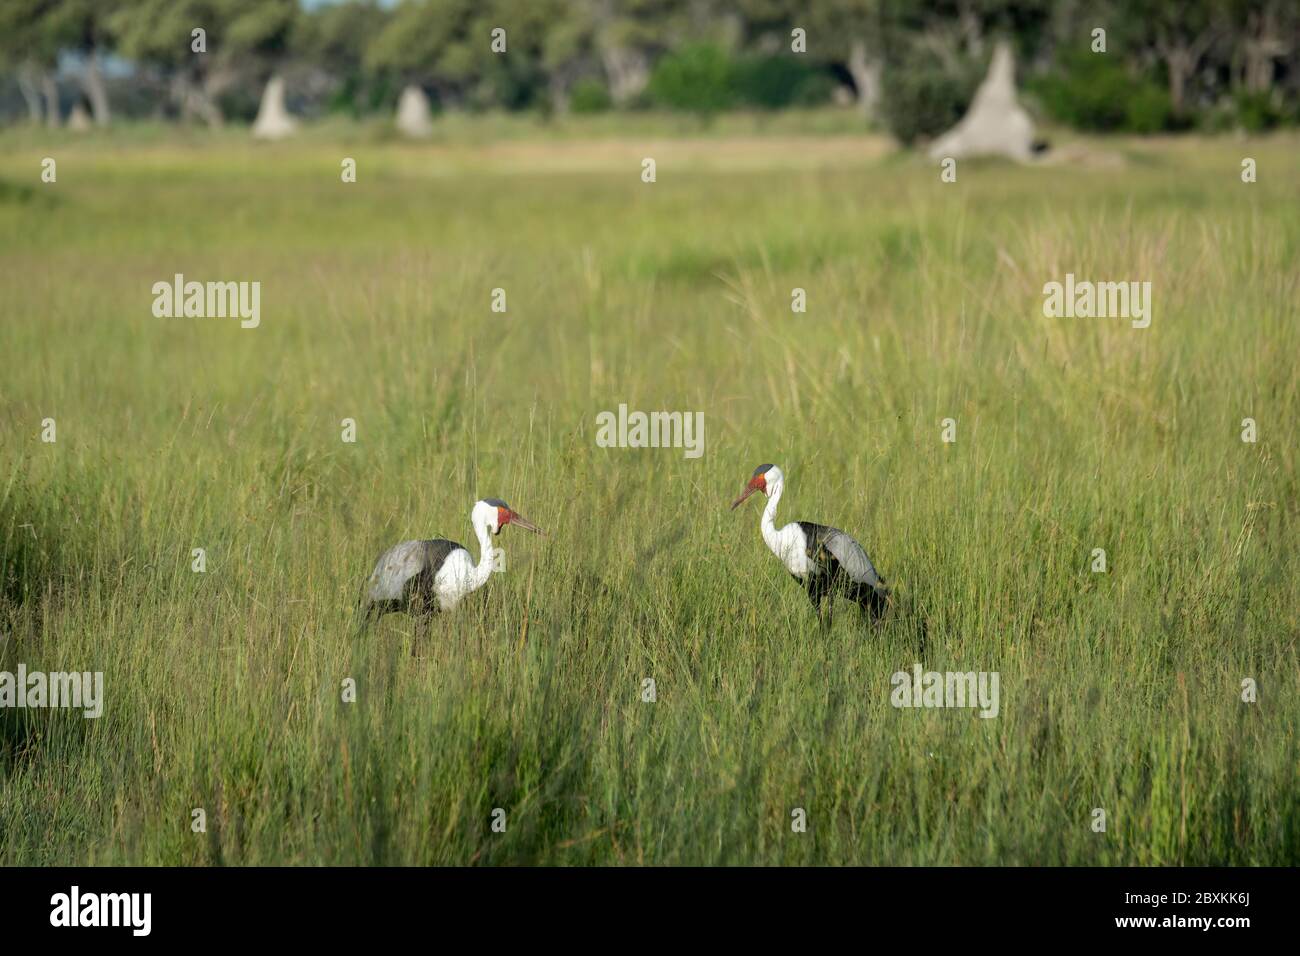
[[853, 561], [406, 565]]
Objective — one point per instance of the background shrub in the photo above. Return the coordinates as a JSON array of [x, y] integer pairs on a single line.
[[696, 78], [1093, 92], [921, 98], [589, 95], [1256, 112], [775, 82]]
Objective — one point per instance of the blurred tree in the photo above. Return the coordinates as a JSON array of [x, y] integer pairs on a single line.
[[1221, 57], [590, 95], [850, 34], [1181, 32], [631, 34], [1102, 94], [958, 31], [440, 44], [82, 27], [937, 52], [242, 40], [1269, 31], [696, 78], [545, 42], [769, 72], [30, 44], [333, 38], [568, 49], [774, 81]]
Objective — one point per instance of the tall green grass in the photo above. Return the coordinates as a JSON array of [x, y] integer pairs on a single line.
[[1119, 691]]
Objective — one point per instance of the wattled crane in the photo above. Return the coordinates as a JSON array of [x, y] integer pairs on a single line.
[[824, 560], [425, 577]]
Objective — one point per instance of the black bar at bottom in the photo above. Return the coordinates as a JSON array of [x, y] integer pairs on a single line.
[[333, 906]]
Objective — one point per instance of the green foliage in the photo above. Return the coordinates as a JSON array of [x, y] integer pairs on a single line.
[[1148, 109], [1087, 90], [702, 78], [334, 36], [509, 82], [1257, 112], [17, 192], [439, 41], [696, 78], [351, 54], [922, 98], [589, 95], [777, 82], [1097, 92], [238, 31], [1248, 112]]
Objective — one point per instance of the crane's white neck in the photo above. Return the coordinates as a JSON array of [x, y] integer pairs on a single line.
[[482, 570], [770, 534], [788, 543]]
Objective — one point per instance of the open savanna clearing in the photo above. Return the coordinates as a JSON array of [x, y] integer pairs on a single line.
[[1119, 690]]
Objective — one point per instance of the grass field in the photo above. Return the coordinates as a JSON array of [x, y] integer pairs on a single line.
[[1119, 690]]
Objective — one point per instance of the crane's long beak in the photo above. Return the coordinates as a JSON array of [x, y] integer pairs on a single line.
[[517, 518], [741, 500]]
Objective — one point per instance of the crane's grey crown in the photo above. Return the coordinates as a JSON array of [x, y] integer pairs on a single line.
[[495, 503], [760, 469]]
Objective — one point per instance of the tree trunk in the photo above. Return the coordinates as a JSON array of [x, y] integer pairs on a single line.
[[450, 97], [866, 78], [180, 94], [28, 86], [1182, 55], [628, 73], [207, 108], [944, 48], [51, 90], [194, 101], [1262, 46], [972, 33], [558, 90], [92, 80], [215, 82], [1180, 64]]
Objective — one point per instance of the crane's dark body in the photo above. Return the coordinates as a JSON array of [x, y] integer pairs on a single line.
[[840, 568], [403, 579]]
